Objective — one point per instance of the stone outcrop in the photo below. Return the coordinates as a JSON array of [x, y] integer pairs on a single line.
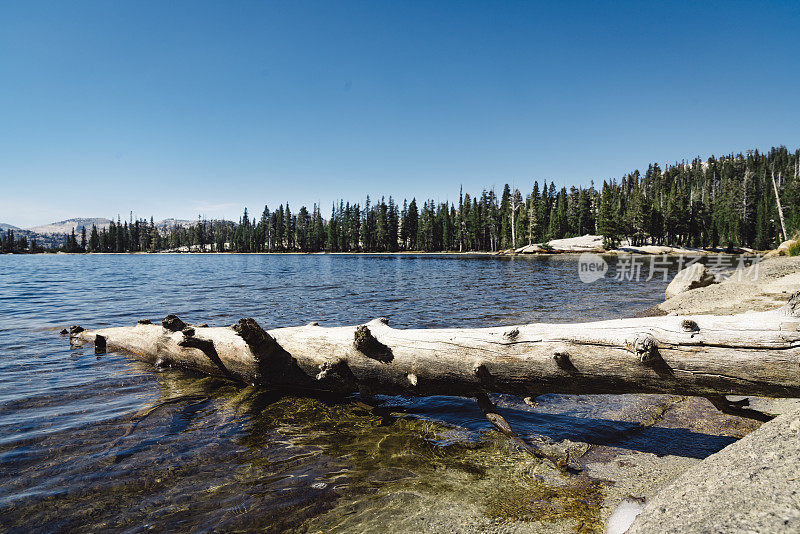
[[762, 286], [783, 248], [692, 277], [750, 486]]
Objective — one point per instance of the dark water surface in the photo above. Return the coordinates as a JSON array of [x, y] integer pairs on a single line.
[[107, 443]]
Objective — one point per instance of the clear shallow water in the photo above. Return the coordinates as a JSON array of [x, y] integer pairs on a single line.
[[109, 443]]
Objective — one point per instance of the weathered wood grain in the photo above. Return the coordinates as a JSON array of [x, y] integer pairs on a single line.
[[747, 354]]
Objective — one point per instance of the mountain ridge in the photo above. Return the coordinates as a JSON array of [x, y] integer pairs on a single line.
[[66, 226]]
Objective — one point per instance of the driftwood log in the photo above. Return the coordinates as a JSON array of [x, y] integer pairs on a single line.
[[703, 355]]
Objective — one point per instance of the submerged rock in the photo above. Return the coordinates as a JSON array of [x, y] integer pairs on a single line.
[[692, 277]]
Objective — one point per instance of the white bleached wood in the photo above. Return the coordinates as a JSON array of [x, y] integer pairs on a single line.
[[747, 354]]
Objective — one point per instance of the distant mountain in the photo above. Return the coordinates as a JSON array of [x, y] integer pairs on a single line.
[[166, 224], [66, 227], [55, 232]]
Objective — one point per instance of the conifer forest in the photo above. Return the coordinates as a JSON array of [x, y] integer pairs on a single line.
[[729, 201]]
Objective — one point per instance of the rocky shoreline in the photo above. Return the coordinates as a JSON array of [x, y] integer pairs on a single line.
[[763, 286], [749, 484], [596, 244], [752, 485], [676, 461], [646, 450]]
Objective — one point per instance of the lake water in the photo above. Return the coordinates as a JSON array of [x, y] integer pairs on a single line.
[[108, 443]]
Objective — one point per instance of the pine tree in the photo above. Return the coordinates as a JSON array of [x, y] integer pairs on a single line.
[[607, 217], [382, 226], [534, 219], [94, 240], [505, 218], [393, 221], [412, 224]]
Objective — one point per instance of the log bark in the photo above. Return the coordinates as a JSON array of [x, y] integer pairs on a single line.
[[747, 354]]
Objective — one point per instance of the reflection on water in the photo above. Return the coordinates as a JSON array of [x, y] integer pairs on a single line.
[[109, 443]]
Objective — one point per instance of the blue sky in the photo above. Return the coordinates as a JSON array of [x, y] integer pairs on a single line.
[[175, 109]]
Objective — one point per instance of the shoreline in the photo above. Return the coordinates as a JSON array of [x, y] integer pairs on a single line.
[[568, 253], [647, 472], [748, 485], [763, 286], [633, 478]]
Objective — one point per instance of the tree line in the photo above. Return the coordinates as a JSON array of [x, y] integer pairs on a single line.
[[9, 244], [729, 201]]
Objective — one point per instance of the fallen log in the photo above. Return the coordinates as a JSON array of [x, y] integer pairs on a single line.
[[703, 355]]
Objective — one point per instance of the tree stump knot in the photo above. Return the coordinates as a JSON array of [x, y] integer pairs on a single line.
[[365, 343], [646, 348], [688, 325], [173, 323], [792, 308], [260, 342]]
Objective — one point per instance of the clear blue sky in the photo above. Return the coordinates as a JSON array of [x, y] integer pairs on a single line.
[[175, 109]]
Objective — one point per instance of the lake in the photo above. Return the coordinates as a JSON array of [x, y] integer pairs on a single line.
[[109, 443]]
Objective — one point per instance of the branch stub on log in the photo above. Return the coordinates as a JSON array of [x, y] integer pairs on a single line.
[[173, 323], [260, 342], [646, 348], [563, 362], [688, 325], [792, 308], [365, 343], [99, 344], [482, 372]]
